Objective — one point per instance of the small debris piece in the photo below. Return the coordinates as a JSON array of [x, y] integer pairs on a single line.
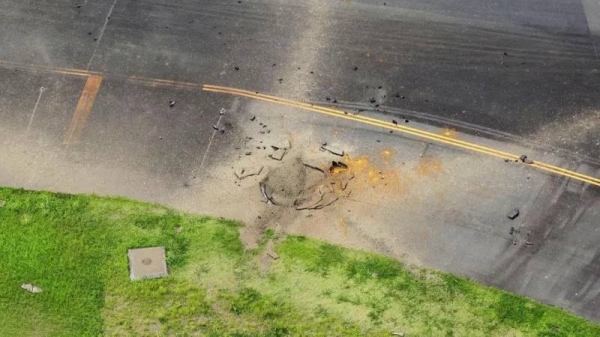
[[31, 288], [278, 154], [528, 161], [512, 231], [395, 123], [243, 173], [355, 68], [248, 153], [401, 334], [406, 121], [313, 167], [332, 150], [2, 203], [513, 214], [273, 255], [178, 229], [372, 100], [528, 243], [237, 68], [523, 157], [266, 193], [253, 118], [171, 104], [337, 165], [216, 128]]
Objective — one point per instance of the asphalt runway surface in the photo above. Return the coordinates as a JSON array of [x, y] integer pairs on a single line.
[[86, 86]]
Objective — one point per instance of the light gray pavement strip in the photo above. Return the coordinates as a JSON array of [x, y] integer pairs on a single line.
[[448, 212]]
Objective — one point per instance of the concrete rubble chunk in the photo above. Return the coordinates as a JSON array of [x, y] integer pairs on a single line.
[[513, 214], [246, 172], [31, 288], [282, 144], [278, 154], [266, 193], [332, 150]]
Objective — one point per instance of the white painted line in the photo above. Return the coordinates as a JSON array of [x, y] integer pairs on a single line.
[[592, 15], [42, 89], [234, 107]]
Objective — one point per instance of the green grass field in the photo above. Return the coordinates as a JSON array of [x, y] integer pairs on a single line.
[[75, 249]]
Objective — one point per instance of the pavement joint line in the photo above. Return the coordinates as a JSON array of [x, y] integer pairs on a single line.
[[101, 34], [83, 109], [407, 130]]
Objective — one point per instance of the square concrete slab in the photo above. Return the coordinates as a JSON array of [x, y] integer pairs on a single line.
[[147, 263]]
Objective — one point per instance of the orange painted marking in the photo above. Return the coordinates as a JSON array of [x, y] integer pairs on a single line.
[[83, 110]]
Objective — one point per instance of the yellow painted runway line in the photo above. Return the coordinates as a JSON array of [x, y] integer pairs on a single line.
[[38, 68], [407, 130], [83, 110]]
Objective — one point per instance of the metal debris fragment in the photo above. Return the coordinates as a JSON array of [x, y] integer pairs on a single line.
[[314, 167], [332, 150], [336, 166], [171, 104], [513, 213]]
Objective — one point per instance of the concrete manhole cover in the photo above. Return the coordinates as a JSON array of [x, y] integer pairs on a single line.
[[147, 263]]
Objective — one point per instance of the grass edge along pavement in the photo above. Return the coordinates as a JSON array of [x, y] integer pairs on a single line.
[[74, 247]]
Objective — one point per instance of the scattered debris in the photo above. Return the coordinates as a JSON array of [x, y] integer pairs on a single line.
[[278, 154], [332, 150], [248, 172], [266, 193], [171, 104], [31, 288], [513, 213]]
